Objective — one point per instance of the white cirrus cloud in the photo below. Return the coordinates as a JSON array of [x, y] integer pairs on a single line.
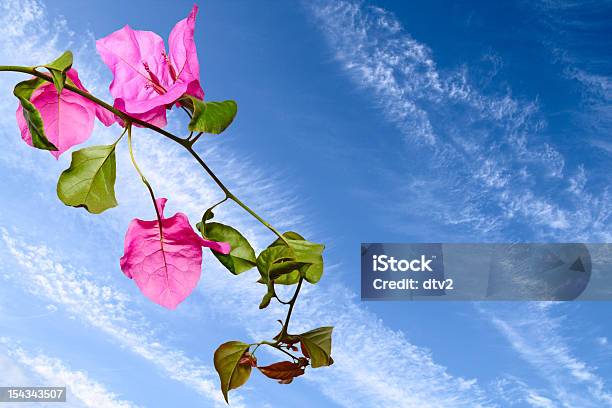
[[535, 332], [485, 149], [513, 391], [55, 373], [107, 309]]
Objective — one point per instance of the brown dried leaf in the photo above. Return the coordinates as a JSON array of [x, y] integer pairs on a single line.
[[248, 359], [284, 371]]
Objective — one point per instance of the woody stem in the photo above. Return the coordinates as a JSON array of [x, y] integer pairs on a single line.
[[132, 120]]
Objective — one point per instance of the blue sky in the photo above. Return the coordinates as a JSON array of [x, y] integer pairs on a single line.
[[358, 122]]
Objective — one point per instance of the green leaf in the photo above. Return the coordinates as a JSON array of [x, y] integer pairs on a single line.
[[201, 226], [306, 251], [89, 182], [309, 253], [208, 215], [270, 293], [58, 69], [285, 266], [23, 91], [290, 278], [316, 345], [211, 117], [275, 261], [288, 235], [313, 272], [241, 257], [231, 373]]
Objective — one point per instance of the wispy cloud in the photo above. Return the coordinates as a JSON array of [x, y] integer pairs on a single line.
[[53, 372], [578, 41], [374, 363], [512, 391], [12, 373], [485, 148], [106, 309], [534, 330]]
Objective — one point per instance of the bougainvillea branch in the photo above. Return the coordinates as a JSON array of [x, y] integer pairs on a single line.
[[164, 256]]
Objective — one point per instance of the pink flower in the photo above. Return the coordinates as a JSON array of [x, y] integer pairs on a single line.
[[146, 79], [68, 119], [168, 269]]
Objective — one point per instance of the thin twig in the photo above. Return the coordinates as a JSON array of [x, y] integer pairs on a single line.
[[187, 111], [127, 118], [291, 304], [195, 139]]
